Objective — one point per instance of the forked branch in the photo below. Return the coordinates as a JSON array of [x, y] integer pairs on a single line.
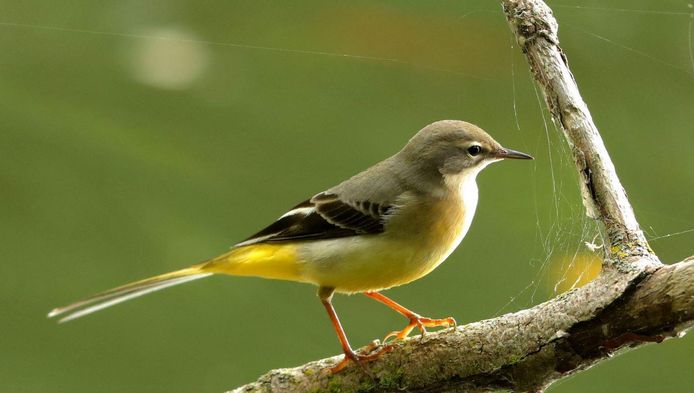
[[635, 299]]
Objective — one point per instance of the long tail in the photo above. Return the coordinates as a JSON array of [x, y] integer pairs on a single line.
[[262, 260], [127, 292]]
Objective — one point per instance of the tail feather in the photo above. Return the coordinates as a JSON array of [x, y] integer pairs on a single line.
[[126, 292]]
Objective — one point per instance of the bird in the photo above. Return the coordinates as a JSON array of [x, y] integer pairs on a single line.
[[387, 226]]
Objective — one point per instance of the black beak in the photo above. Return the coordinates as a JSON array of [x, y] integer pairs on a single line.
[[508, 153]]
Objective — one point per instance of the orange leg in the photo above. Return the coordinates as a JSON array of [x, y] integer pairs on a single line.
[[326, 295], [416, 320]]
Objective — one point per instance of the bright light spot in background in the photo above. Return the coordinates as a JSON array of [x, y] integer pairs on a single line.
[[167, 58], [574, 271]]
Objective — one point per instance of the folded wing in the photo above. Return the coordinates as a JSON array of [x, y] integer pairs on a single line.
[[325, 216]]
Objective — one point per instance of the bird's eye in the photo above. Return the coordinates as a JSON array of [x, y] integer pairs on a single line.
[[474, 150]]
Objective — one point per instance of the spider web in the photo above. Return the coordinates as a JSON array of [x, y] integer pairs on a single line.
[[570, 244]]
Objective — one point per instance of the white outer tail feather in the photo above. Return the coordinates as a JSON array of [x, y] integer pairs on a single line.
[[111, 298]]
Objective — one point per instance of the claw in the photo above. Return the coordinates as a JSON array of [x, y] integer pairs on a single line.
[[359, 359], [422, 323]]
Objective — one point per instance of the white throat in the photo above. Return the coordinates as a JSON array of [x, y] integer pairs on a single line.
[[464, 187], [463, 183]]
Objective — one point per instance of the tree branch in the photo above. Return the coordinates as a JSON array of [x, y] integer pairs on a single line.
[[523, 351], [604, 198], [635, 299]]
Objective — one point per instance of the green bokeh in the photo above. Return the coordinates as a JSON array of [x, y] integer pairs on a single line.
[[106, 177]]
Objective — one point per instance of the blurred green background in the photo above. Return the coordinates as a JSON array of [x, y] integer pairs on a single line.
[[139, 137]]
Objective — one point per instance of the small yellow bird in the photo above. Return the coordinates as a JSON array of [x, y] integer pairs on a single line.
[[387, 226]]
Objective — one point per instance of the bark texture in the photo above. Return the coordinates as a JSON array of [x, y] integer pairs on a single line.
[[522, 351], [635, 300]]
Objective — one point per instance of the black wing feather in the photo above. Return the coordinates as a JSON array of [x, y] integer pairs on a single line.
[[330, 218]]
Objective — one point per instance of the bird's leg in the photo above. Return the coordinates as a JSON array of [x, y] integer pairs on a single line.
[[416, 320], [325, 295]]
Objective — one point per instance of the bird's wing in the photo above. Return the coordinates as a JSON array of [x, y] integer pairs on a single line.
[[325, 216]]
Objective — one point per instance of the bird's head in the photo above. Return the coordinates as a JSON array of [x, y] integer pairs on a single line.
[[453, 147]]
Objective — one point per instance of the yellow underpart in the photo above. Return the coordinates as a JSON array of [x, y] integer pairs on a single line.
[[277, 261]]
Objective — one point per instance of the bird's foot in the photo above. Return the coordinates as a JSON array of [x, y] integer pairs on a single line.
[[422, 323], [368, 353]]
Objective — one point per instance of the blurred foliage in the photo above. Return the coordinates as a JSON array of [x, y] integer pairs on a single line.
[[139, 137]]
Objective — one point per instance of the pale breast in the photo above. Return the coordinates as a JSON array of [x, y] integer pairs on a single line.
[[447, 224]]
